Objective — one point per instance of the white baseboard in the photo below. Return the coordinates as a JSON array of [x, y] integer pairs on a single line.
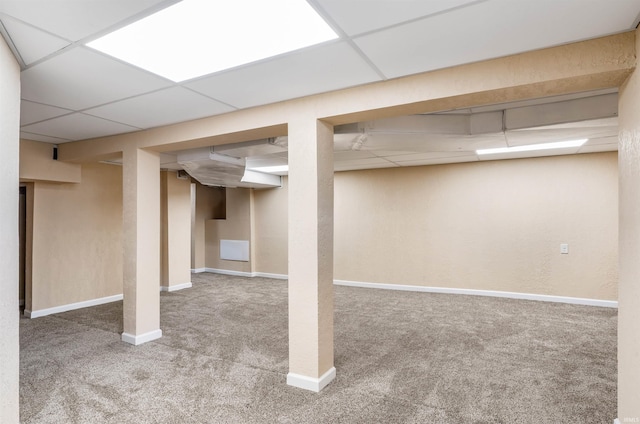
[[268, 275], [142, 338], [72, 306], [229, 272], [198, 270], [616, 421], [176, 287], [310, 383], [446, 290], [491, 293]]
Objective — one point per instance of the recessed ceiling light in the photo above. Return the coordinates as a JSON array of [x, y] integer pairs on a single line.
[[532, 147], [199, 37]]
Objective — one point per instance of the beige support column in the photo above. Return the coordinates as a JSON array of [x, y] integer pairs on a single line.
[[310, 254], [176, 232], [141, 238], [629, 248], [9, 308]]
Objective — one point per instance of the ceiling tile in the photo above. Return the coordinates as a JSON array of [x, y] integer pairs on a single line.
[[34, 112], [78, 126], [348, 14], [163, 107], [492, 29], [32, 44], [437, 157], [439, 161], [340, 166], [314, 70], [43, 138], [74, 19], [81, 78]]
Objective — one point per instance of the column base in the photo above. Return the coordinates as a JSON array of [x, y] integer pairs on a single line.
[[142, 338], [176, 287], [310, 383]]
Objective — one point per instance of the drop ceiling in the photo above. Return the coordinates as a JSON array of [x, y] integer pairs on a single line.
[[71, 92]]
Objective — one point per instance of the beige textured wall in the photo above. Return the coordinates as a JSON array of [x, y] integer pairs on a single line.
[[36, 163], [208, 203], [629, 291], [491, 226], [175, 218], [9, 143], [77, 238], [270, 219], [237, 226]]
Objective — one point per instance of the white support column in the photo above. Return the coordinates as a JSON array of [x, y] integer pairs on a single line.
[[629, 248], [310, 254], [9, 182], [141, 238]]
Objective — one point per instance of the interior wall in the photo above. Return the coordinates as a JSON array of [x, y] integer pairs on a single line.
[[494, 225], [9, 312], [208, 203], [36, 163], [236, 226], [270, 226], [175, 219], [77, 238]]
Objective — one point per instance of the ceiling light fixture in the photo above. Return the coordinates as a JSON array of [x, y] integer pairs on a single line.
[[198, 37], [532, 147]]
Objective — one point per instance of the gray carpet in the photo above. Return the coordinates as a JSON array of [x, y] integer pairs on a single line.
[[400, 357]]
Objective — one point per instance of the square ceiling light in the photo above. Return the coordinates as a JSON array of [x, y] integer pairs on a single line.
[[198, 37]]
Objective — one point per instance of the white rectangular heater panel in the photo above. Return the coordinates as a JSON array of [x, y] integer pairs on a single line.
[[234, 250]]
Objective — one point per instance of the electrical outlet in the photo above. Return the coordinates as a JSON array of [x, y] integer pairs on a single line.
[[564, 248]]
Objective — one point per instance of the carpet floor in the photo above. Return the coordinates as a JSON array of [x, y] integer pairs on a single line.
[[401, 357]]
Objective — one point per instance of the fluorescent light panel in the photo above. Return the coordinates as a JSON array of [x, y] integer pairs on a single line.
[[199, 37], [532, 147]]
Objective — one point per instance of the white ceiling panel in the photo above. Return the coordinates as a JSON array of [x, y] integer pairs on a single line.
[[492, 29], [32, 43], [162, 107], [433, 142], [43, 138], [324, 68], [76, 19], [348, 14], [31, 112], [353, 154], [431, 156], [439, 161], [78, 126], [340, 166], [82, 78]]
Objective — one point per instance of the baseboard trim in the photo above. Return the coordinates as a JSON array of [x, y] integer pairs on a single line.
[[310, 383], [72, 306], [198, 270], [142, 338], [445, 290], [490, 293], [229, 272], [176, 287], [616, 421], [268, 275]]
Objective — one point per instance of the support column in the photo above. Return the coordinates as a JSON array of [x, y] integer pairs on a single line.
[[310, 254], [141, 238], [629, 248], [175, 215], [9, 182]]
